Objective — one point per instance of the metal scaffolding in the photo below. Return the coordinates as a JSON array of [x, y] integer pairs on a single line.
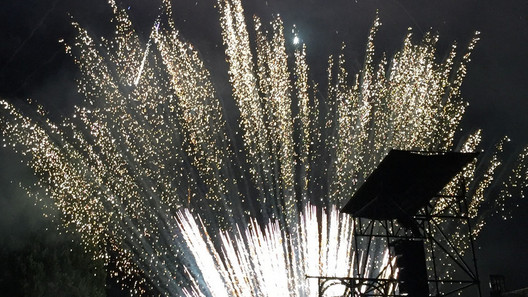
[[399, 209]]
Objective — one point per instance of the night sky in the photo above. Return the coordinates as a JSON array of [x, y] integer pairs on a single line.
[[33, 65]]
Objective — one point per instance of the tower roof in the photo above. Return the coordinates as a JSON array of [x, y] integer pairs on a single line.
[[404, 182]]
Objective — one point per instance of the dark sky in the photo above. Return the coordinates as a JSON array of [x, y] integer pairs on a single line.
[[33, 64]]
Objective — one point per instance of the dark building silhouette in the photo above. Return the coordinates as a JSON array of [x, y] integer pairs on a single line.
[[498, 288]]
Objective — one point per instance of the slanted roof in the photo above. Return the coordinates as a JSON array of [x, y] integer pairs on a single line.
[[404, 182]]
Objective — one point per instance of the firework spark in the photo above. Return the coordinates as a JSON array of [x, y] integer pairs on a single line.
[[146, 173]]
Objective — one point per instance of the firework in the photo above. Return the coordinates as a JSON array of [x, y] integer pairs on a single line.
[[145, 171]]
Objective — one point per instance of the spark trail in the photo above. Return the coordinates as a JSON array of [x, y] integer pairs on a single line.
[[145, 171]]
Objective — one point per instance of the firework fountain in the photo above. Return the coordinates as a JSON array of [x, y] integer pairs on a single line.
[[147, 171]]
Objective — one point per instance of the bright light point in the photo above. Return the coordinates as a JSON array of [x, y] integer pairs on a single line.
[[296, 40]]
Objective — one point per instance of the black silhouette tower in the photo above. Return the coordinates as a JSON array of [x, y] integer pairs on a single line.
[[399, 207]]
